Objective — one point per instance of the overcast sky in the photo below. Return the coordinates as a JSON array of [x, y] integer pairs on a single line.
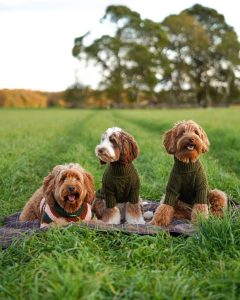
[[37, 36]]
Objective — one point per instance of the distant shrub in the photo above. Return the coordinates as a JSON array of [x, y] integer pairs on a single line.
[[22, 98]]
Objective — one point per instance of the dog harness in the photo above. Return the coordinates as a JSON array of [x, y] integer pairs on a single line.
[[52, 214]]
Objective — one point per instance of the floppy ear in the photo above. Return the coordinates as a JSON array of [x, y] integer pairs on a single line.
[[205, 141], [89, 184], [49, 185], [169, 141], [129, 148]]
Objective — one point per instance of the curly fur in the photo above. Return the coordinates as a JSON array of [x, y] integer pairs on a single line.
[[117, 146], [163, 215], [186, 134], [134, 214], [187, 141], [199, 210], [218, 202], [69, 185], [111, 216]]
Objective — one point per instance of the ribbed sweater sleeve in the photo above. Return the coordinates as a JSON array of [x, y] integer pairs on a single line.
[[133, 196], [134, 182], [109, 189], [202, 187], [173, 188], [110, 198]]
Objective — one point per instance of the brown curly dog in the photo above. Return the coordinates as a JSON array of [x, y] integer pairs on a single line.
[[187, 193], [65, 196]]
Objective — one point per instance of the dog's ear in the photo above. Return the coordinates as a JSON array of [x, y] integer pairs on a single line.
[[49, 185], [89, 184], [205, 141], [169, 141], [128, 147]]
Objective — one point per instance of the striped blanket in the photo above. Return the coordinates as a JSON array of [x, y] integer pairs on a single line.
[[13, 229]]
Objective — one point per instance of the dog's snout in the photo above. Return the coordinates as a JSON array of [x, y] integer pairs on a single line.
[[71, 188], [101, 150], [191, 140]]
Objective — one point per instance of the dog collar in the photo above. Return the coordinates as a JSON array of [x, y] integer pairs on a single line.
[[63, 213], [51, 214]]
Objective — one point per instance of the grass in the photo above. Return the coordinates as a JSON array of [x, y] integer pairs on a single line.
[[73, 263]]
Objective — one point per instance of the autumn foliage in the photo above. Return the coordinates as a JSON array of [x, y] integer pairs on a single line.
[[20, 98]]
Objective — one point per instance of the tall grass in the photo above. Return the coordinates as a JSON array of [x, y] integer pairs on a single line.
[[73, 263]]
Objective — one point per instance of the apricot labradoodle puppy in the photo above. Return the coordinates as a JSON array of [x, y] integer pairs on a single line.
[[187, 193], [65, 196], [118, 199]]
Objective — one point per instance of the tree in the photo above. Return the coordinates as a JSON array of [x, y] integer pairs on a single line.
[[130, 59], [188, 43], [222, 58], [77, 95], [194, 56]]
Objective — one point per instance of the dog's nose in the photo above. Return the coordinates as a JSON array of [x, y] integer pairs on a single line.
[[71, 188], [101, 150], [191, 140]]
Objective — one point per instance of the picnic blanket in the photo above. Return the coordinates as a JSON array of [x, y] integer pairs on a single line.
[[13, 229]]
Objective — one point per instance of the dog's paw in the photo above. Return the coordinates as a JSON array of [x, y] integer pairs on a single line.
[[198, 211], [139, 221], [163, 215], [134, 214], [218, 202], [111, 216]]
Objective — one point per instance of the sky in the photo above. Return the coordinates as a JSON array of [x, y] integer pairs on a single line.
[[37, 36]]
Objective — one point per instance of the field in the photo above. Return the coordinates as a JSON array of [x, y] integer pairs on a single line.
[[72, 263]]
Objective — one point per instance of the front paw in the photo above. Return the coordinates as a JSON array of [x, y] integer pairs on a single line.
[[163, 215], [134, 214], [199, 210], [111, 216]]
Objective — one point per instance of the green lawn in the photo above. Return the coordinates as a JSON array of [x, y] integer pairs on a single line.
[[73, 263]]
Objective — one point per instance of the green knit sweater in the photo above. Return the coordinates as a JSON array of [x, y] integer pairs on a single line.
[[120, 183], [187, 182]]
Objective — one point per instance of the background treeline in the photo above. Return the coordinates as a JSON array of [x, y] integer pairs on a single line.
[[75, 96], [20, 98], [189, 59]]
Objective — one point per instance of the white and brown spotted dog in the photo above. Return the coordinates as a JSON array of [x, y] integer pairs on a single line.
[[187, 193], [65, 196], [118, 199]]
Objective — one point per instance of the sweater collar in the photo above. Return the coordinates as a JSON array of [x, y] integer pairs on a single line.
[[186, 167], [63, 213], [119, 169]]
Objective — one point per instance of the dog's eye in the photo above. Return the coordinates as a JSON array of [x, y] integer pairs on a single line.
[[63, 178], [181, 132], [196, 132], [77, 178], [113, 141]]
